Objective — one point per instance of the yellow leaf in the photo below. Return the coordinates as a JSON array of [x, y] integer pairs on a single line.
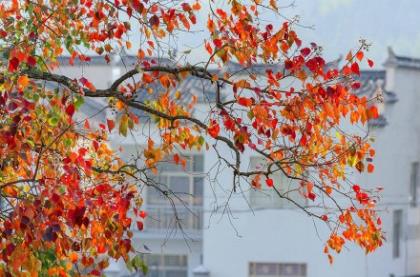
[[124, 125]]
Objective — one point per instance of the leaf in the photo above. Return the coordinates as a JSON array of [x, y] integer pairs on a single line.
[[138, 264], [213, 129], [154, 21], [370, 63], [13, 64], [53, 120], [360, 166], [201, 140], [143, 214], [70, 109], [147, 78], [23, 82], [355, 68], [218, 43], [111, 124], [247, 102], [123, 125], [269, 182], [78, 101], [360, 55], [373, 112], [305, 51], [31, 61], [312, 196]]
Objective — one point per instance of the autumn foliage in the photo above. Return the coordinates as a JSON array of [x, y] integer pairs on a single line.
[[69, 201]]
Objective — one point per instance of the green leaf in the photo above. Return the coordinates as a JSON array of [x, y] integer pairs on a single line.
[[130, 123], [138, 264], [201, 140], [250, 115], [78, 101], [68, 142], [53, 120]]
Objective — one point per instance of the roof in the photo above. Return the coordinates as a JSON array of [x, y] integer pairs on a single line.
[[372, 82], [401, 61], [261, 68], [116, 59]]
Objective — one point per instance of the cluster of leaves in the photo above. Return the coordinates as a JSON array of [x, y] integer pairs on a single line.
[[69, 201]]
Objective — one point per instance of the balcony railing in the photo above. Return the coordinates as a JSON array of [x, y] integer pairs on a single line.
[[166, 218]]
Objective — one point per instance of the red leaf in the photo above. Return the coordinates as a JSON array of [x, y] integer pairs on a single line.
[[305, 51], [3, 33], [143, 214], [269, 182], [356, 188], [70, 110], [311, 196], [147, 78], [214, 129], [229, 123], [138, 6], [87, 125], [218, 43], [111, 124], [154, 20], [355, 68], [76, 215], [83, 80], [370, 63], [31, 61], [140, 225], [13, 64], [245, 101], [370, 168], [356, 85]]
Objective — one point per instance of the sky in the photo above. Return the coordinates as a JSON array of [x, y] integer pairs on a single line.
[[338, 25]]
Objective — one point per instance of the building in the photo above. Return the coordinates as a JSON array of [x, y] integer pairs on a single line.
[[253, 234]]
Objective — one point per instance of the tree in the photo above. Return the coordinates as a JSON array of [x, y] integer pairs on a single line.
[[68, 198]]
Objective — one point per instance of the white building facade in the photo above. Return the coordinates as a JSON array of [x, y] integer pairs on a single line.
[[253, 234]]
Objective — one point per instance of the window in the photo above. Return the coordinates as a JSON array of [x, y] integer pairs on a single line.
[[186, 192], [186, 184], [166, 265], [413, 183], [277, 270], [267, 197], [396, 233]]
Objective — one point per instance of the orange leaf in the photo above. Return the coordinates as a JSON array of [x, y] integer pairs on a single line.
[[373, 112], [147, 78], [360, 55], [23, 82]]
